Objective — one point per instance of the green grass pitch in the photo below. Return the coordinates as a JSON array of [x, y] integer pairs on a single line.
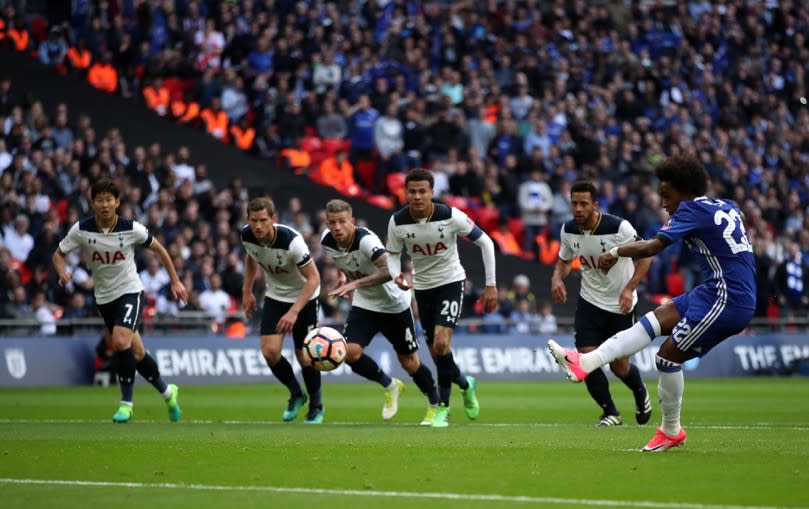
[[534, 445]]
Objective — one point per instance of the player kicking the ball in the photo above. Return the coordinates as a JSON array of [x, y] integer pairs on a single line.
[[697, 321], [108, 241], [377, 305]]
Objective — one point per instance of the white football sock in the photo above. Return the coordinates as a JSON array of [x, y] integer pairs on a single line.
[[670, 388], [623, 344]]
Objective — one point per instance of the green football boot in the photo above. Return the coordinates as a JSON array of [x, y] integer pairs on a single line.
[[172, 405], [441, 419], [315, 415], [470, 400], [293, 405], [123, 415]]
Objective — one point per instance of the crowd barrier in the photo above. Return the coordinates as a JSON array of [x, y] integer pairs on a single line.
[[60, 361]]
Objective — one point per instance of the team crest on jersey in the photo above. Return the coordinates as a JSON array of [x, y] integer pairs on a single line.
[[15, 362], [441, 231], [603, 246], [410, 235]]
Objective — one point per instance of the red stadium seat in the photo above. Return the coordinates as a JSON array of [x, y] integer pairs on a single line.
[[380, 201], [395, 182], [517, 229], [488, 218], [366, 170]]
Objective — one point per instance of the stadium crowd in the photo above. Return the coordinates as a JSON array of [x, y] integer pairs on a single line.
[[507, 102]]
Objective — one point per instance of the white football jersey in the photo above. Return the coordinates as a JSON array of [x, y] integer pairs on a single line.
[[357, 262], [281, 262], [111, 255], [432, 244], [599, 289]]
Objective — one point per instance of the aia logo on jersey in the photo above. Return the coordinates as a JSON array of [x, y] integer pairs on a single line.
[[272, 269], [588, 262], [353, 275], [428, 250], [107, 258]]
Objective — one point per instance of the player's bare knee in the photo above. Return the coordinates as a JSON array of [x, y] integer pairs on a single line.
[[271, 354], [620, 368], [410, 363], [121, 339], [354, 353]]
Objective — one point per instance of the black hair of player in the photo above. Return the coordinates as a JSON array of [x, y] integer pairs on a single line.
[[104, 185], [585, 186], [419, 175], [684, 173]]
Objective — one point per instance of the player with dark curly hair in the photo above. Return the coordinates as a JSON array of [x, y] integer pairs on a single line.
[[697, 321]]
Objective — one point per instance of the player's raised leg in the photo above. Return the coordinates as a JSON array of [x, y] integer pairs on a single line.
[[147, 367], [623, 344]]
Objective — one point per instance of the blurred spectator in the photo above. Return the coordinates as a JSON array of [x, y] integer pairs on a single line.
[[76, 307], [523, 320], [547, 321], [52, 50], [535, 200], [43, 311], [521, 291], [792, 280], [330, 124], [338, 172], [389, 141], [214, 300], [362, 119], [102, 75], [17, 239], [505, 241]]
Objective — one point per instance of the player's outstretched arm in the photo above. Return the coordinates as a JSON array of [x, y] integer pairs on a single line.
[[635, 250], [60, 265], [382, 275], [177, 287]]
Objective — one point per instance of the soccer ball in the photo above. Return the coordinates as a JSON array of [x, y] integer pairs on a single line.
[[325, 348]]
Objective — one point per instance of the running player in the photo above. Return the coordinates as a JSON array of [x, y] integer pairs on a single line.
[[697, 321], [108, 242], [430, 233], [290, 301], [377, 305], [607, 302]]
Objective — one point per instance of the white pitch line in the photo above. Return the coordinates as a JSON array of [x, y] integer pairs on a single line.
[[516, 499], [762, 426]]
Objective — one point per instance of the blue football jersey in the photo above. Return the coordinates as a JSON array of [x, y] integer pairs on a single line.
[[714, 231]]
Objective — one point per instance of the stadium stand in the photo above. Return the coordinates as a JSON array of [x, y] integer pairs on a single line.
[[486, 94]]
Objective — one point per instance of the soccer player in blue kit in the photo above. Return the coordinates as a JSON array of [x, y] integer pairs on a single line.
[[695, 322]]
